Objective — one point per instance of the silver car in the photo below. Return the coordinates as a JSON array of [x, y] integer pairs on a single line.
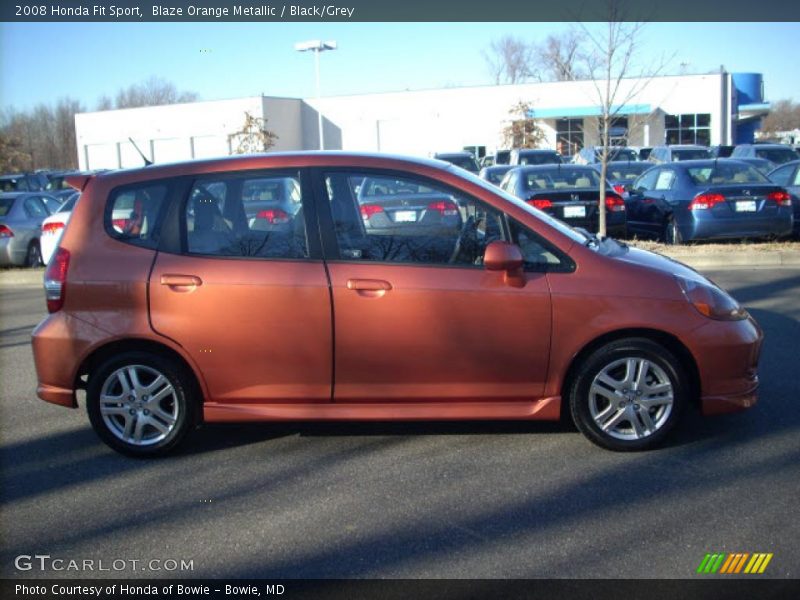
[[21, 216]]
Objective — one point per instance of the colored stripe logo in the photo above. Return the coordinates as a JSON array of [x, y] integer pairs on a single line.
[[737, 562]]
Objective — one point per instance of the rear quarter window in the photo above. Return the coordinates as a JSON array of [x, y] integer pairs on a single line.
[[134, 213]]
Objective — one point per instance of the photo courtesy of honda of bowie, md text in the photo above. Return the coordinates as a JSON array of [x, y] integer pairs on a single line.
[[166, 590], [215, 12]]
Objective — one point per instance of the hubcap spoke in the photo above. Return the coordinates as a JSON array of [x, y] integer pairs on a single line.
[[617, 417], [610, 395], [652, 402]]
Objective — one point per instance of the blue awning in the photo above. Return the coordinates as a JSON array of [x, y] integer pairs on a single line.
[[572, 112]]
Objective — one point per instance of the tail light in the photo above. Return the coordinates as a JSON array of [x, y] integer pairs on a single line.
[[5, 232], [274, 216], [52, 228], [121, 224], [706, 201], [55, 280], [780, 198], [614, 203], [367, 210], [444, 207], [620, 189], [540, 203]]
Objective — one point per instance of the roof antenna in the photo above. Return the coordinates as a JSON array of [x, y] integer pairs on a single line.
[[147, 161]]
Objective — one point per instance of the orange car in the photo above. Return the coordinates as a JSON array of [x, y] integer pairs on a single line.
[[333, 286]]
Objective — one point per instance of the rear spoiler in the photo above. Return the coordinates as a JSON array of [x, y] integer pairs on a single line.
[[78, 181]]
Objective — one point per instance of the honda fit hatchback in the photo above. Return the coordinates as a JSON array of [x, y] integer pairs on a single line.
[[171, 306]]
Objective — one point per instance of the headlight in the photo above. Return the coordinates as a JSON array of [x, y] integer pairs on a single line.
[[711, 301]]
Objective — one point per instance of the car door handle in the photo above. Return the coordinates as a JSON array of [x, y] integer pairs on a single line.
[[371, 288], [181, 283]]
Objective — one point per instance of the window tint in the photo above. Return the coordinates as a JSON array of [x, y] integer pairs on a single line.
[[35, 208], [253, 217], [776, 155], [5, 206], [723, 174], [13, 184], [409, 222], [781, 176], [562, 178], [134, 213], [647, 181]]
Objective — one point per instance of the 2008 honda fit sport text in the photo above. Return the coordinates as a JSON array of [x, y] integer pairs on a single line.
[[332, 286]]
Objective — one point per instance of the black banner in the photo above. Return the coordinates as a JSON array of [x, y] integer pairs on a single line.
[[398, 10]]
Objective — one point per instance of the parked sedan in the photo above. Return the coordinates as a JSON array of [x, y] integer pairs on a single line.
[[568, 192], [494, 174], [707, 199], [53, 226], [788, 177], [21, 216]]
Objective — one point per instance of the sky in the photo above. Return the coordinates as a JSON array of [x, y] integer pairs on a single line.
[[40, 62]]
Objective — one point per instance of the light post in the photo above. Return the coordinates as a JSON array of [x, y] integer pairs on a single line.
[[317, 46]]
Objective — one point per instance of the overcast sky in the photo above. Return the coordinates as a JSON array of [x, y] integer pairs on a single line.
[[41, 62]]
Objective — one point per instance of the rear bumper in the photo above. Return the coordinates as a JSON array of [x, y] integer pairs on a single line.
[[715, 228]]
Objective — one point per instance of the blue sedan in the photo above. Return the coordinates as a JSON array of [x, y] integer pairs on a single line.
[[706, 200]]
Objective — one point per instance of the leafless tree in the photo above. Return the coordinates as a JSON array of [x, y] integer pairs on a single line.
[[784, 116], [558, 58], [152, 92], [612, 51], [509, 60]]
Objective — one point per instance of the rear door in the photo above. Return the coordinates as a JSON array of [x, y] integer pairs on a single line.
[[244, 290]]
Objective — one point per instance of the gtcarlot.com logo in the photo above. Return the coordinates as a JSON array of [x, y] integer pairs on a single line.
[[736, 562], [45, 562]]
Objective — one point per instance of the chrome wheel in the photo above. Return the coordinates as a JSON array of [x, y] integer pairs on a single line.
[[631, 398], [139, 405]]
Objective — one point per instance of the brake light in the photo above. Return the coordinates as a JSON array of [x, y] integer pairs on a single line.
[[540, 203], [52, 228], [5, 232], [620, 189], [274, 216], [367, 210], [706, 201], [780, 198], [120, 224], [55, 280], [614, 203], [444, 207]]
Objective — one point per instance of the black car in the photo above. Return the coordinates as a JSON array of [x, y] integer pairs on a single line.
[[707, 199], [568, 192], [788, 176]]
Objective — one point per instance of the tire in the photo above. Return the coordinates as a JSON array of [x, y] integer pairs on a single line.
[[33, 258], [672, 234], [616, 410], [132, 421]]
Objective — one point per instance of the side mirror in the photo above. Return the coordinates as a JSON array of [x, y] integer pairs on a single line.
[[503, 256]]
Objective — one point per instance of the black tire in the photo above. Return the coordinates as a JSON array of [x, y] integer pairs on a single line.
[[176, 412], [33, 258], [612, 359], [672, 234]]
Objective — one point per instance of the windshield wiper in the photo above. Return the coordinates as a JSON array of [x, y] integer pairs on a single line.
[[591, 239]]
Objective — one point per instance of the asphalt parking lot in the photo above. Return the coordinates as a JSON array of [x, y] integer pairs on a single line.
[[407, 500]]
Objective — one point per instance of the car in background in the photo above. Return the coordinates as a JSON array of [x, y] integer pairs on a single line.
[[465, 160], [501, 157], [590, 155], [512, 316], [534, 156], [21, 217], [706, 200], [56, 184], [53, 226], [777, 154], [666, 154], [22, 182], [721, 151], [788, 177], [495, 173], [619, 174], [644, 153], [570, 193]]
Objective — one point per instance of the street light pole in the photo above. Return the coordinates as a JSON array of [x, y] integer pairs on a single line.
[[317, 46]]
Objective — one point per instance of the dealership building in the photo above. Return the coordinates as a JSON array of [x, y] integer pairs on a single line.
[[717, 108]]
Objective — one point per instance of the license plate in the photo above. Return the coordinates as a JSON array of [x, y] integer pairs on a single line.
[[746, 206], [405, 216], [574, 211]]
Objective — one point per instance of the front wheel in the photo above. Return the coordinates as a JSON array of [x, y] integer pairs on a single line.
[[33, 258], [141, 404], [628, 395]]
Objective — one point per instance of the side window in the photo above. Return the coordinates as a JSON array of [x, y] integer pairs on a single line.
[[796, 177], [388, 218], [665, 180], [647, 181], [539, 255], [257, 216], [53, 205], [134, 214], [35, 208]]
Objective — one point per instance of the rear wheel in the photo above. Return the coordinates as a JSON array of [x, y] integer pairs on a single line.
[[141, 404], [628, 395], [33, 258]]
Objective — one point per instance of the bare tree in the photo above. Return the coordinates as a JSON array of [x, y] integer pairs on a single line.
[[509, 60], [610, 65], [253, 136], [522, 131], [784, 116], [558, 58], [152, 92]]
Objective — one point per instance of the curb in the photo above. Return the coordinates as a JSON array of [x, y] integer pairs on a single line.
[[22, 277]]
